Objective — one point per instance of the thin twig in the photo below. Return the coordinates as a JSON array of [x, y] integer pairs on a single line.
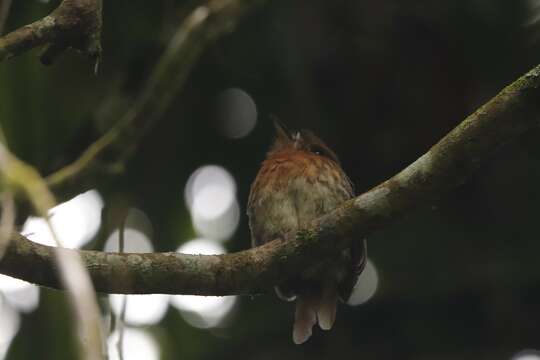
[[83, 298], [200, 29], [120, 327], [120, 323]]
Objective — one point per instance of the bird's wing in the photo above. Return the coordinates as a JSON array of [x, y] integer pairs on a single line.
[[358, 259]]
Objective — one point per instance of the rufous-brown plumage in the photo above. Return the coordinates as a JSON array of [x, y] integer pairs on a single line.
[[300, 180]]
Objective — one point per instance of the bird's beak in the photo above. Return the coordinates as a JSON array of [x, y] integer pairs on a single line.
[[281, 130]]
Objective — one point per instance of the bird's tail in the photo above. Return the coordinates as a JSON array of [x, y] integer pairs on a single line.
[[327, 308], [311, 309]]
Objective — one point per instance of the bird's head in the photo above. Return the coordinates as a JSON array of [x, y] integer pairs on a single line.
[[301, 140]]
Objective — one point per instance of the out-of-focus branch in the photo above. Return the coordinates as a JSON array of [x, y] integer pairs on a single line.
[[21, 178], [7, 217], [200, 29], [5, 5], [7, 220], [447, 164], [74, 23]]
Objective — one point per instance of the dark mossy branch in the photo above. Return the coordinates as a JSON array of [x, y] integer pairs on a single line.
[[447, 164], [73, 24]]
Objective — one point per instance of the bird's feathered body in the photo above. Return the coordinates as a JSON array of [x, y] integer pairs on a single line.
[[299, 181]]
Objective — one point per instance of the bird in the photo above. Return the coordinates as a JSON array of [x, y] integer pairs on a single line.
[[300, 180]]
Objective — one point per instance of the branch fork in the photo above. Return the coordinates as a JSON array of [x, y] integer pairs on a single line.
[[73, 24]]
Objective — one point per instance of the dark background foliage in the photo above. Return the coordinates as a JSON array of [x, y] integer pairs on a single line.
[[380, 81]]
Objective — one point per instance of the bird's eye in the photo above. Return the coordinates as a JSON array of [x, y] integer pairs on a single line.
[[318, 150], [323, 151]]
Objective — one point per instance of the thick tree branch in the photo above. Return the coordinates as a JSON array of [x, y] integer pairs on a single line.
[[201, 28], [512, 112], [75, 23]]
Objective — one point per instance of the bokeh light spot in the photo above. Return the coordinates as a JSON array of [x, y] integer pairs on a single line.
[[236, 113], [212, 201], [220, 228], [138, 220], [135, 241], [136, 345], [202, 247], [140, 309], [9, 326], [528, 354], [217, 179], [22, 295], [10, 284], [366, 286], [24, 300], [203, 311], [210, 195], [75, 222]]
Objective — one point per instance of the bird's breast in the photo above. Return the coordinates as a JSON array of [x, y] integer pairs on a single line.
[[290, 193]]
